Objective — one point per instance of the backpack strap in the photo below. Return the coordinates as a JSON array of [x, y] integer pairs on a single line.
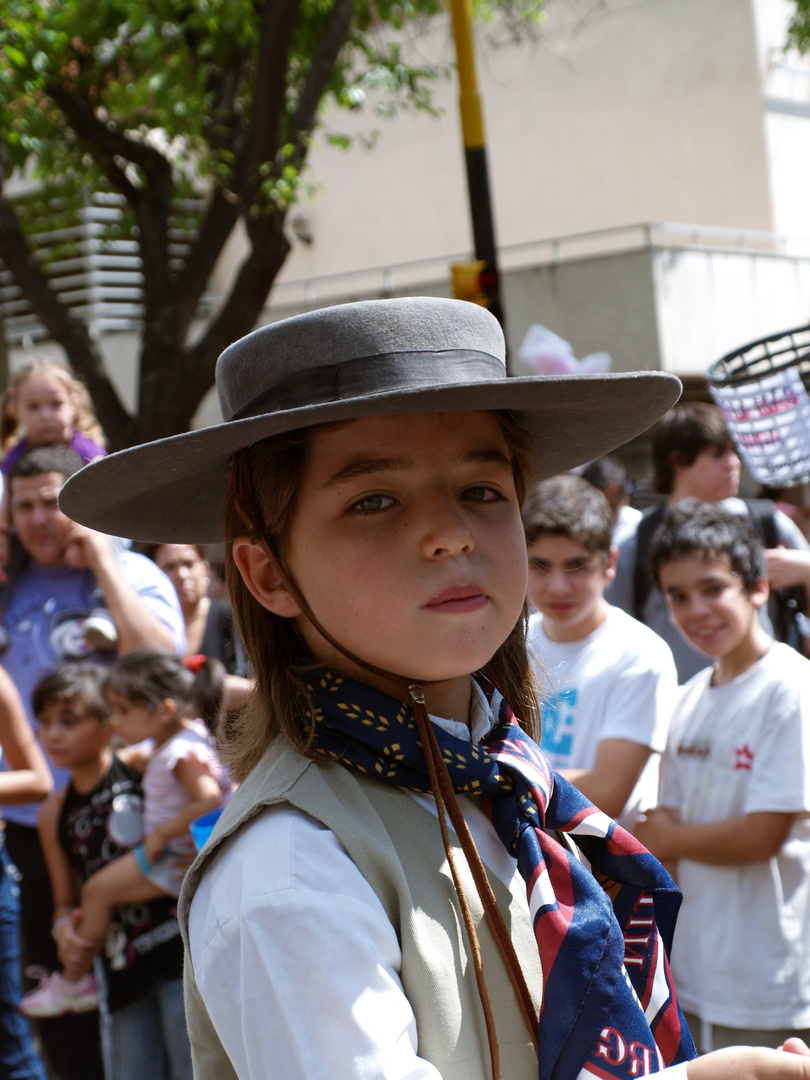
[[642, 573], [761, 512], [783, 604]]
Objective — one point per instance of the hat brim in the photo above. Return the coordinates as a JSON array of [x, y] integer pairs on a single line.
[[172, 491]]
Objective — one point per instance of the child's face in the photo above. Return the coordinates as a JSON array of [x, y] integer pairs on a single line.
[[69, 736], [714, 475], [406, 541], [709, 605], [566, 583], [133, 722], [46, 409]]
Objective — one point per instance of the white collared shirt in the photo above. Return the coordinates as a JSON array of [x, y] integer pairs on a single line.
[[295, 957]]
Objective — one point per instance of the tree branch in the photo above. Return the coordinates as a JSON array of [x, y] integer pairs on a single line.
[[320, 72], [152, 205], [269, 245], [217, 224], [225, 88], [277, 28], [226, 131], [242, 309], [63, 327], [108, 139]]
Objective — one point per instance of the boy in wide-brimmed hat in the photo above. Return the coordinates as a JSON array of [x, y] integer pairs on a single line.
[[368, 480]]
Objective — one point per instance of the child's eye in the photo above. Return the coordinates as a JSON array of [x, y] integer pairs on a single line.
[[579, 567], [372, 504], [481, 494]]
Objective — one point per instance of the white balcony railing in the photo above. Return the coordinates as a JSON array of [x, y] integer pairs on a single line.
[[99, 279]]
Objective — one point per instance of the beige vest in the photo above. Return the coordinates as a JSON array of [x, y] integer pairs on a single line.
[[397, 846]]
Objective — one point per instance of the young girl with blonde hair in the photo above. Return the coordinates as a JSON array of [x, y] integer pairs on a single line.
[[44, 404], [367, 481]]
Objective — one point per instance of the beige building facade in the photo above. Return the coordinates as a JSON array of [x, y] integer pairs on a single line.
[[648, 163]]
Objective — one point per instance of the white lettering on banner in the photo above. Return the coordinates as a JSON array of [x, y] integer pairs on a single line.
[[770, 422]]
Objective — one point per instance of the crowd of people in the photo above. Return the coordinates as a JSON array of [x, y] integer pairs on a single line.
[[713, 777], [96, 662], [434, 569]]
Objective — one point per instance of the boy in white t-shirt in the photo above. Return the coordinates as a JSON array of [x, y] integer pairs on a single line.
[[736, 791], [607, 681]]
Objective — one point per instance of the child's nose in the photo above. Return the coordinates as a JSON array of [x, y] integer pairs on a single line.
[[447, 531], [698, 606], [557, 581]]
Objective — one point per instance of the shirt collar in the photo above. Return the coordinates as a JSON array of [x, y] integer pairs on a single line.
[[482, 718]]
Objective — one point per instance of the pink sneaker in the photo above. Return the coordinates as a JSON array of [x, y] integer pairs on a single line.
[[55, 996]]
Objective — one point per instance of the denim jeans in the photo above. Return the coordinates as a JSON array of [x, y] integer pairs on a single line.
[[71, 1048], [18, 1059], [148, 1037]]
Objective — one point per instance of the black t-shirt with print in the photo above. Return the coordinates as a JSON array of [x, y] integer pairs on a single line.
[[143, 942]]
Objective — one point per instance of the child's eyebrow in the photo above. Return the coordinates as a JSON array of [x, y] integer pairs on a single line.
[[490, 456], [709, 579], [567, 564], [369, 466]]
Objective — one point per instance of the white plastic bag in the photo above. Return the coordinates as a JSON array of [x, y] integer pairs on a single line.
[[548, 354]]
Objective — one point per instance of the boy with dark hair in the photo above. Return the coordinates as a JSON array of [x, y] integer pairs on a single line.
[[695, 434], [694, 457], [94, 819], [736, 790], [607, 680]]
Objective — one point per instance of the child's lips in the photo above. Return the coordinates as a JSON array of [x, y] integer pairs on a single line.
[[560, 609], [457, 599]]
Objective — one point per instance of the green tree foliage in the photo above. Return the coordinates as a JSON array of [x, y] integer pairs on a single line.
[[159, 100], [799, 26]]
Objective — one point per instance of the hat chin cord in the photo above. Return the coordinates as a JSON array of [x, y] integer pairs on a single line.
[[441, 787]]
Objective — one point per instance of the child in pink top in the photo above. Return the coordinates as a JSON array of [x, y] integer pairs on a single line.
[[166, 800]]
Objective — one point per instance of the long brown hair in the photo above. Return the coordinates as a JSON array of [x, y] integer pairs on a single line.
[[280, 660]]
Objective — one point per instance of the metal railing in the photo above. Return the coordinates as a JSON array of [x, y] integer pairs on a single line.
[[102, 279], [96, 275], [400, 277]]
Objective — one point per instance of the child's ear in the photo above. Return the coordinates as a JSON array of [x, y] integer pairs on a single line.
[[166, 710], [760, 593], [260, 573], [610, 565]]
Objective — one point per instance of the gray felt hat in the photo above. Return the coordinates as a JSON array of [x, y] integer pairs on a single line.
[[376, 357]]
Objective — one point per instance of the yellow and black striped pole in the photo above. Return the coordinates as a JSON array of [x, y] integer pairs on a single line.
[[472, 127]]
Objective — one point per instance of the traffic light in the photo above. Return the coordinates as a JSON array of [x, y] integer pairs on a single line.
[[476, 281]]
